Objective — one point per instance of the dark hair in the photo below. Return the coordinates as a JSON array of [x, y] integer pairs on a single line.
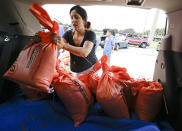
[[81, 11], [111, 31], [88, 25]]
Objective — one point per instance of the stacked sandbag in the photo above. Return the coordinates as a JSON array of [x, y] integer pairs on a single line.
[[74, 94], [91, 79], [149, 97], [33, 94], [127, 90], [122, 78], [110, 96], [143, 97], [65, 58], [36, 63], [120, 72]]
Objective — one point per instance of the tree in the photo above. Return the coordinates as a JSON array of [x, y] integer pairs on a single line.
[[159, 32], [129, 31], [115, 30], [146, 33]]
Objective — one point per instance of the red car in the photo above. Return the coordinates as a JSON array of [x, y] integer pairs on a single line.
[[135, 40]]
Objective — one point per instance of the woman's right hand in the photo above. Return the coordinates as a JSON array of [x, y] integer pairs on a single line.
[[58, 40]]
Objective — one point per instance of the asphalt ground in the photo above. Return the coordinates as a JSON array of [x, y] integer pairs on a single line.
[[139, 62]]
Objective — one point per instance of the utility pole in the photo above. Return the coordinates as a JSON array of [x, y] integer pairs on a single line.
[[146, 18], [154, 24]]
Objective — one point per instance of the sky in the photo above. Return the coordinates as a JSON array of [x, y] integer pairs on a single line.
[[114, 17]]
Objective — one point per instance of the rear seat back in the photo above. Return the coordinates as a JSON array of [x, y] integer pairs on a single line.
[[168, 72], [10, 46]]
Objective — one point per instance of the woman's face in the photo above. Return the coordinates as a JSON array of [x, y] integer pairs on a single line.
[[77, 21]]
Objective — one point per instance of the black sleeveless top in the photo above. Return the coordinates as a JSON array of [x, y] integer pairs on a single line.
[[79, 64]]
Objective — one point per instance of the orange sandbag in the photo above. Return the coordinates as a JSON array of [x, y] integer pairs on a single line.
[[127, 86], [122, 75], [114, 69], [110, 96], [66, 61], [75, 96], [120, 72], [33, 94], [65, 58], [122, 78], [44, 18], [64, 55], [149, 101], [35, 64], [91, 79]]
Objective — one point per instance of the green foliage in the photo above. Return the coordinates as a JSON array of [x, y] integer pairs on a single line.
[[129, 31], [159, 32], [154, 44]]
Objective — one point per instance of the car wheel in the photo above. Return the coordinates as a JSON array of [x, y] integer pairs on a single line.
[[143, 45], [101, 46], [116, 47], [126, 46]]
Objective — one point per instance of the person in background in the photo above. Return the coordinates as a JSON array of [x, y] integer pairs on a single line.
[[98, 40], [61, 30], [61, 33], [79, 41], [109, 44]]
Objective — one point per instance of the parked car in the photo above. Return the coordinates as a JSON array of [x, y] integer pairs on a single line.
[[135, 40], [102, 41], [158, 46], [120, 41]]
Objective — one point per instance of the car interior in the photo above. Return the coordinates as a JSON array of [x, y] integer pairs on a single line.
[[18, 25]]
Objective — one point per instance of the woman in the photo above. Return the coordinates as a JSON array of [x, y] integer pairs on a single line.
[[80, 42]]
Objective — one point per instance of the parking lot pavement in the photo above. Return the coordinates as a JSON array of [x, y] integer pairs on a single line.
[[139, 62]]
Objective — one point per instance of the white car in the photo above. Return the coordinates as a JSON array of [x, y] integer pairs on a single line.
[[120, 41]]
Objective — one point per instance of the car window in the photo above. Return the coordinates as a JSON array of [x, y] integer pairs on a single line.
[[134, 48]]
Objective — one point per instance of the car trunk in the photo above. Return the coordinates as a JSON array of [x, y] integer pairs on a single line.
[[17, 28]]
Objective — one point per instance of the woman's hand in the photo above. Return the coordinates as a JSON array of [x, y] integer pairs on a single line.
[[58, 40], [36, 38]]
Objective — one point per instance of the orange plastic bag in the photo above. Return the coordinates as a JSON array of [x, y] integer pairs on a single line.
[[137, 85], [75, 96], [149, 101], [64, 57], [120, 72], [35, 65], [91, 79], [127, 89], [44, 18], [33, 94], [122, 78], [110, 96], [116, 69]]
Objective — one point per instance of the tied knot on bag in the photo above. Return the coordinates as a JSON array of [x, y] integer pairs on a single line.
[[46, 39]]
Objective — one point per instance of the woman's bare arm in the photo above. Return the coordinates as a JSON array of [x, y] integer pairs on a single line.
[[79, 51]]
